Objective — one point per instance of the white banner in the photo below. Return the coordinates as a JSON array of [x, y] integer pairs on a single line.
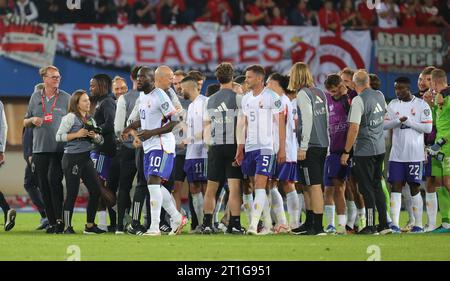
[[201, 46], [30, 43], [352, 49]]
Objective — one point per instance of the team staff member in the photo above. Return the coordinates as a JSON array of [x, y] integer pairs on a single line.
[[45, 111], [76, 160], [365, 136]]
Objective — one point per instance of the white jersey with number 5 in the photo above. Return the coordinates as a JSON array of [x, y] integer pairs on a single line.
[[260, 112], [408, 144], [155, 110]]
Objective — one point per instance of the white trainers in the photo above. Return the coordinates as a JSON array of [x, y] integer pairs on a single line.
[[265, 231], [152, 233], [177, 227], [252, 231], [429, 228], [409, 225]]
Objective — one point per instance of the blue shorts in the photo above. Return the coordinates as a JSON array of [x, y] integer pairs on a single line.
[[255, 163], [287, 171], [427, 168], [158, 163], [334, 169], [102, 164], [410, 172], [196, 169]]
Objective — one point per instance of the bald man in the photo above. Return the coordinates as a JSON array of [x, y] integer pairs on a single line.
[[366, 142]]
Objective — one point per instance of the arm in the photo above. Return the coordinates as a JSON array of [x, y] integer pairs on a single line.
[[120, 118], [34, 13], [351, 136], [423, 127], [167, 128], [304, 103], [282, 137], [63, 135]]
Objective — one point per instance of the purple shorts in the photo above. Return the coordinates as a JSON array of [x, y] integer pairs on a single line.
[[255, 163], [102, 164], [195, 170], [334, 169], [158, 163], [410, 172], [287, 171], [427, 168]]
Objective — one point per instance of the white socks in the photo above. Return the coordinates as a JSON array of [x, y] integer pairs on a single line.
[[329, 214], [156, 199], [197, 201], [169, 205], [342, 220], [102, 223], [248, 205], [266, 214], [293, 207], [351, 213], [396, 204], [432, 207], [407, 199], [278, 206], [301, 203], [417, 206], [258, 207]]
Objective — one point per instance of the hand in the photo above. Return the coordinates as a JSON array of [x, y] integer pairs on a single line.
[[30, 158], [239, 157], [82, 133], [281, 157], [301, 155], [434, 149], [126, 134], [2, 158], [344, 159], [37, 121], [403, 119], [92, 134], [440, 99], [137, 143], [144, 135], [428, 97]]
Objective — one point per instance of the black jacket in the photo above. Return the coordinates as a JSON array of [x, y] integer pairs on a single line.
[[104, 115]]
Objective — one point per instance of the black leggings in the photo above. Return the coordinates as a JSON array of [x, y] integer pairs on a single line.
[[49, 175], [127, 174], [80, 166], [33, 190]]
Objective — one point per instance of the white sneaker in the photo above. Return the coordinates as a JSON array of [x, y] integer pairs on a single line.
[[152, 233], [409, 225], [252, 231], [222, 227], [429, 228], [177, 227], [119, 232]]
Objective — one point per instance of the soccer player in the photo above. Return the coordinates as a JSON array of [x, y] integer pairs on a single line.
[[410, 118], [155, 111], [366, 135], [441, 169], [10, 214], [335, 173], [286, 173], [313, 145], [220, 133], [260, 107], [196, 152]]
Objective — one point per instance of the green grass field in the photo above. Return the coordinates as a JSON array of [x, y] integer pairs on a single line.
[[23, 243]]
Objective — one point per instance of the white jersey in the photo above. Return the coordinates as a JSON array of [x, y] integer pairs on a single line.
[[196, 148], [155, 110], [408, 144], [291, 136], [260, 112]]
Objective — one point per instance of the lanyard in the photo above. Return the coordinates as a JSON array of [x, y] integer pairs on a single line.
[[53, 105]]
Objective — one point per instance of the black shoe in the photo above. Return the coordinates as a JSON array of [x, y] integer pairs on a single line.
[[59, 228], [43, 224], [10, 221], [93, 230], [50, 229], [69, 230], [136, 229], [112, 228], [236, 231], [207, 230], [368, 230], [165, 229], [299, 230], [350, 230], [310, 231], [384, 229]]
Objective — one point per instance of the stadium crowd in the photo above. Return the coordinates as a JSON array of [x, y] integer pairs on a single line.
[[253, 139], [332, 15]]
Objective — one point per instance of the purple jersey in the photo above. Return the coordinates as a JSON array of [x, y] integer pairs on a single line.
[[337, 122]]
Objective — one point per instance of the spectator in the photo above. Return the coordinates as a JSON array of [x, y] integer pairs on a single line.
[[238, 10], [168, 13], [4, 9], [102, 11], [429, 15], [26, 10], [348, 16], [300, 15], [329, 18], [50, 11], [388, 14], [365, 15], [144, 11], [194, 9], [408, 13], [220, 11], [255, 14], [123, 12], [278, 17], [444, 10]]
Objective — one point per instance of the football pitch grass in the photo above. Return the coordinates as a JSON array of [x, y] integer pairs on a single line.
[[24, 243]]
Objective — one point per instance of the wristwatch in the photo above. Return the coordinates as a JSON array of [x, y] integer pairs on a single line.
[[346, 152]]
